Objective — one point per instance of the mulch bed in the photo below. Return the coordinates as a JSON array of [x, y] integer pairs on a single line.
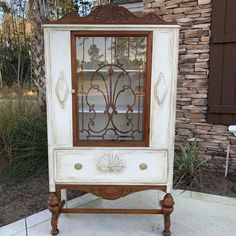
[[213, 183], [21, 198]]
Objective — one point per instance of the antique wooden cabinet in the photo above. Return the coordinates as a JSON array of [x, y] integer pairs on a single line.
[[111, 88]]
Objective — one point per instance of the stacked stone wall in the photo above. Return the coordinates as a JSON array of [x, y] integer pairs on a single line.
[[194, 17]]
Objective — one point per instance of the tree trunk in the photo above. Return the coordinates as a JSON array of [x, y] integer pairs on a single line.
[[39, 10], [38, 17], [1, 82]]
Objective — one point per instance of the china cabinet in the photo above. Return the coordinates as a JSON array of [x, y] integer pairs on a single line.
[[111, 87]]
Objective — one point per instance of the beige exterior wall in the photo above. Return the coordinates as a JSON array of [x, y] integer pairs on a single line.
[[194, 17]]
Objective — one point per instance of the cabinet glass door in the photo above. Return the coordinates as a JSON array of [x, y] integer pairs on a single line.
[[111, 80]]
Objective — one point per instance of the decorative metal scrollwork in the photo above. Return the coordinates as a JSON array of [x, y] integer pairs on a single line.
[[62, 90], [112, 83], [160, 90], [110, 163]]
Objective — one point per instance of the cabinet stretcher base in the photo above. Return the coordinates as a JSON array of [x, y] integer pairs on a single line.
[[110, 192]]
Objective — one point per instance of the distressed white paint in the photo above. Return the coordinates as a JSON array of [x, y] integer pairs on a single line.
[[133, 27], [156, 172], [64, 196], [49, 109], [173, 108], [162, 74], [158, 157], [60, 61]]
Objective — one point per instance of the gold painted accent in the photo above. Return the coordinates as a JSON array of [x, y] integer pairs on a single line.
[[143, 166], [78, 166]]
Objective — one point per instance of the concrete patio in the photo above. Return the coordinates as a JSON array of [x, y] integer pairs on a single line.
[[195, 214]]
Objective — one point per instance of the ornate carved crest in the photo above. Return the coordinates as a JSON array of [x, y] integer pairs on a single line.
[[110, 14]]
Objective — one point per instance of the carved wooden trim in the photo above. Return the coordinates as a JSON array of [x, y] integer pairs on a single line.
[[167, 207], [112, 192], [54, 207], [110, 14]]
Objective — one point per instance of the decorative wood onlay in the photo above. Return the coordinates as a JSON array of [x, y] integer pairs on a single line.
[[112, 192], [110, 14], [110, 163], [160, 90], [62, 89]]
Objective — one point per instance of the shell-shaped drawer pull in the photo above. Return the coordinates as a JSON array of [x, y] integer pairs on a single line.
[[143, 166], [78, 166]]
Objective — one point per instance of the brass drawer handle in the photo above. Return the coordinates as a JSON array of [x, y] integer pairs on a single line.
[[78, 166], [143, 166]]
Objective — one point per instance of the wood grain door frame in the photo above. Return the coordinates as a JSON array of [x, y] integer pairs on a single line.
[[146, 120]]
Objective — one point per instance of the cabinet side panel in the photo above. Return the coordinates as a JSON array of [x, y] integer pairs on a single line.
[[49, 109], [61, 88], [175, 47], [162, 88]]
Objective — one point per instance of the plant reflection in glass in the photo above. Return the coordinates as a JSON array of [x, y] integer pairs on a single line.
[[111, 74]]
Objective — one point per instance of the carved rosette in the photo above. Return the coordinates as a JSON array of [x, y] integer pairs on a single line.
[[109, 163], [62, 89], [160, 90]]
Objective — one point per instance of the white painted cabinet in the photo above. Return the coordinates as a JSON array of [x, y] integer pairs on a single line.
[[60, 92], [111, 97]]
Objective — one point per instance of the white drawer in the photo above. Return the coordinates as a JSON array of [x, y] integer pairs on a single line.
[[120, 166]]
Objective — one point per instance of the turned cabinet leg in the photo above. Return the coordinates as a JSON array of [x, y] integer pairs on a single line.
[[54, 208], [167, 207]]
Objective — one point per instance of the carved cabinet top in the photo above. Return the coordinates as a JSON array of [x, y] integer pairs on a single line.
[[110, 14]]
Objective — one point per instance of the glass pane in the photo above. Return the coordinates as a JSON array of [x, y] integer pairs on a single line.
[[111, 88]]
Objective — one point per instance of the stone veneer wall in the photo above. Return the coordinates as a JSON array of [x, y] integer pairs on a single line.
[[194, 17]]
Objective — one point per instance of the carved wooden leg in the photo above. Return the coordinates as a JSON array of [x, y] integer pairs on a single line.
[[167, 207], [54, 208]]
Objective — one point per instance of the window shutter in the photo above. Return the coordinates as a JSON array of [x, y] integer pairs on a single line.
[[222, 78]]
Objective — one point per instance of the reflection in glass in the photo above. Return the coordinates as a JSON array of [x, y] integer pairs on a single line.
[[111, 74]]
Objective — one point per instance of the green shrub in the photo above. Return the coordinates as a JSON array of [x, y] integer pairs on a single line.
[[15, 92], [23, 137], [187, 165]]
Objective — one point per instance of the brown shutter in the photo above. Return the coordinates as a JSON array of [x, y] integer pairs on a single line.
[[222, 79]]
